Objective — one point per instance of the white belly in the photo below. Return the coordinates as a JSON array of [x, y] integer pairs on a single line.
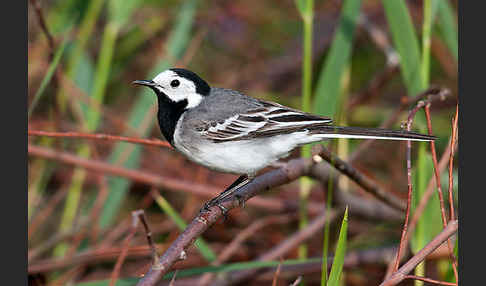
[[241, 157]]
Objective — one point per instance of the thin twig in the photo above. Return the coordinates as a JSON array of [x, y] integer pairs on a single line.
[[366, 183], [429, 280], [205, 219], [172, 281], [442, 94], [101, 198], [126, 244], [45, 30], [99, 136], [451, 164], [374, 86], [55, 239], [421, 104], [401, 273], [351, 261], [163, 181], [243, 235], [91, 256], [40, 217], [282, 248], [436, 171], [439, 190], [380, 38], [277, 273], [68, 276], [148, 233], [421, 207], [76, 93], [297, 281]]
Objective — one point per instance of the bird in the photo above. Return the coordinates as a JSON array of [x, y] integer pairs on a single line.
[[230, 132]]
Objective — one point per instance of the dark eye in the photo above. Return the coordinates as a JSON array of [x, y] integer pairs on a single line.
[[175, 83]]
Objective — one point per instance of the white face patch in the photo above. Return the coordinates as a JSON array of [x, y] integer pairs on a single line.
[[177, 88]]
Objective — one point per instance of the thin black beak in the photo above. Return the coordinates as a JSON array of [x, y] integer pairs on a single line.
[[149, 83]]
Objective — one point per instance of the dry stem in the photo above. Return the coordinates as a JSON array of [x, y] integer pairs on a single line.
[[401, 273]]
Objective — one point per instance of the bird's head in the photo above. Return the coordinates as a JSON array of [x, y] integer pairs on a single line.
[[178, 85]]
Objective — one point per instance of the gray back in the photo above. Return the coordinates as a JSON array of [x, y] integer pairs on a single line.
[[221, 104]]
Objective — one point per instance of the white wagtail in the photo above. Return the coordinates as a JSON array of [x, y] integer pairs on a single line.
[[230, 132]]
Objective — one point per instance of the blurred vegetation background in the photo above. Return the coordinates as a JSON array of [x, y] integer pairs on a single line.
[[352, 60]]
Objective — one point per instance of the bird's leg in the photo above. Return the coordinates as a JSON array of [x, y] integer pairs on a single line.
[[216, 201]]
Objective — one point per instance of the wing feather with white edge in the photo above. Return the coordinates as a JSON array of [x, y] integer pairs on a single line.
[[268, 120]]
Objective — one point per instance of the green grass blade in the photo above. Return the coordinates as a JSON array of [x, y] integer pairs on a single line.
[[416, 79], [327, 229], [447, 25], [212, 269], [130, 42], [120, 12], [424, 172], [79, 70], [328, 86], [338, 262], [47, 78], [406, 44], [329, 83], [92, 116], [430, 9], [62, 13], [140, 119], [102, 74], [306, 10], [201, 245], [85, 31], [41, 169], [429, 223]]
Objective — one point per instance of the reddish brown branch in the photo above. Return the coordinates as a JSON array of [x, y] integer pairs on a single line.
[[102, 253], [401, 273], [421, 206], [277, 273], [352, 260], [436, 170], [293, 170], [148, 234], [98, 136], [439, 190], [451, 164], [54, 239], [282, 248], [126, 244], [40, 217], [158, 181], [439, 95], [235, 244], [429, 280], [367, 184], [42, 23]]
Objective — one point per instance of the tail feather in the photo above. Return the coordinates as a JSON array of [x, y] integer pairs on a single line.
[[368, 133]]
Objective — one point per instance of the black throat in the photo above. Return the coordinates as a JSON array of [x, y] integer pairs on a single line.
[[168, 115]]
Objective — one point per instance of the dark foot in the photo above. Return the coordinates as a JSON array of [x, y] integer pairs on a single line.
[[215, 202], [241, 201], [240, 182]]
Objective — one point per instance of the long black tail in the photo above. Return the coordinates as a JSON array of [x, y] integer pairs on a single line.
[[368, 133]]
